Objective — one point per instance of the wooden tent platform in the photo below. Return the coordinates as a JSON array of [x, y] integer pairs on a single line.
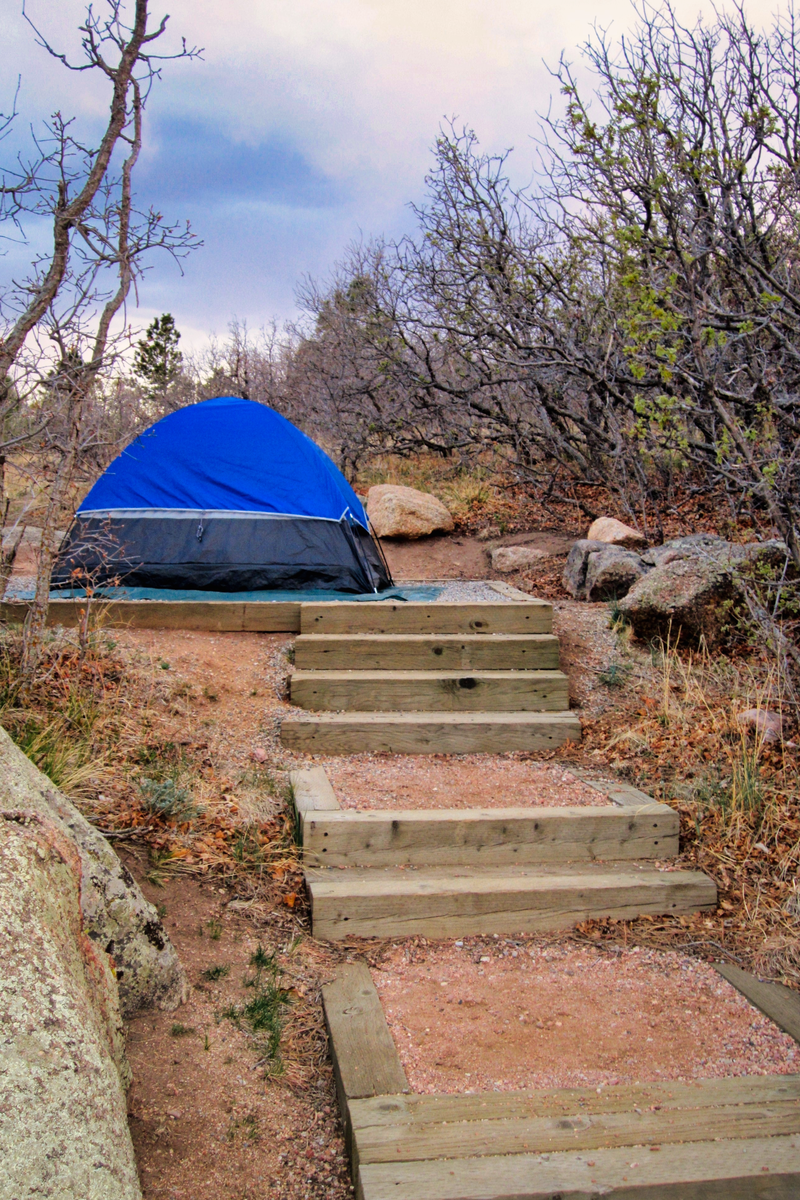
[[711, 1139]]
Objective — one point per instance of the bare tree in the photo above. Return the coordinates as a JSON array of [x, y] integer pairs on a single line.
[[58, 332]]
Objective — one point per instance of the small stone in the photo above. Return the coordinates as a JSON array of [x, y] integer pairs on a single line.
[[259, 755], [515, 558], [615, 533]]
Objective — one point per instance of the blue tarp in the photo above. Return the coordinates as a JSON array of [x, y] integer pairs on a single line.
[[425, 592], [225, 454]]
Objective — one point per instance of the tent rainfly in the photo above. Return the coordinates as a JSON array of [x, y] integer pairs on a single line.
[[225, 495]]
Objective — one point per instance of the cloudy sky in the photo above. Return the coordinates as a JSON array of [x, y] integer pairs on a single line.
[[308, 123]]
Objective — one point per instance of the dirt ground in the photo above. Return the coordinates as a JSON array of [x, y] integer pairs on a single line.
[[208, 1122], [463, 556], [468, 1017]]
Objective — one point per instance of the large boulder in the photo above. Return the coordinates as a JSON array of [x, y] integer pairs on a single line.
[[515, 558], [63, 1073], [690, 599], [403, 512], [610, 573], [615, 533], [116, 915]]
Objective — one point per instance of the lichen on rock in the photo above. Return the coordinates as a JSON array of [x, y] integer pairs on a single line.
[[116, 915], [63, 1072]]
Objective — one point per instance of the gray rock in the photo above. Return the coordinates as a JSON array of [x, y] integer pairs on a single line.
[[692, 598], [708, 546], [693, 545], [610, 573], [574, 576], [599, 571], [115, 913], [63, 1073]]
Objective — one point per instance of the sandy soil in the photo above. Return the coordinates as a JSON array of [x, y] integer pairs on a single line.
[[467, 1016], [380, 781]]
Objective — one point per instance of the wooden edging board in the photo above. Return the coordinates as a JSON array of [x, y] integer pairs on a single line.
[[781, 1004], [223, 616], [315, 787], [717, 1139]]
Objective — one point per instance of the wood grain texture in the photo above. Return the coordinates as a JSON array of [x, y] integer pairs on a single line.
[[220, 616], [764, 1168], [419, 1111], [579, 1131], [440, 733], [426, 651], [534, 616], [365, 1058], [510, 592], [781, 1004], [459, 901], [312, 791], [431, 691], [492, 837]]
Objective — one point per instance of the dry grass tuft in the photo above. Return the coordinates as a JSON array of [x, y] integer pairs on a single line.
[[675, 732]]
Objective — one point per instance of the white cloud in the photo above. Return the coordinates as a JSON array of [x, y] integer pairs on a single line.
[[356, 88]]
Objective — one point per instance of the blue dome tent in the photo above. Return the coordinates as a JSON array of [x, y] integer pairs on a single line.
[[225, 495]]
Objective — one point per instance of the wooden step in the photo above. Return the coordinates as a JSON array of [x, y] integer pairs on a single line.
[[425, 1127], [737, 1168], [422, 733], [385, 616], [460, 901], [431, 691], [707, 1139], [487, 837], [426, 651]]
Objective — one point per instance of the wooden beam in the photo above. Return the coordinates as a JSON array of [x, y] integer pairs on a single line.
[[781, 1004], [312, 791], [386, 616], [365, 1059], [426, 651], [461, 901], [221, 616], [436, 733], [509, 592], [419, 1111], [763, 1168], [431, 691], [367, 1062], [492, 837], [580, 1131]]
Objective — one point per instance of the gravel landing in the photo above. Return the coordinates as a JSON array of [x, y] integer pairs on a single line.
[[469, 592], [375, 781], [470, 1016]]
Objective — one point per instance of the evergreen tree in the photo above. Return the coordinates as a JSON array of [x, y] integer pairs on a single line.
[[158, 360]]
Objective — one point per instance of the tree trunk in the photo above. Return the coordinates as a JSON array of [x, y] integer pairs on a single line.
[[36, 620]]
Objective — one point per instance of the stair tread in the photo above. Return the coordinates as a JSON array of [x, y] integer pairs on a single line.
[[418, 673], [385, 716], [543, 877], [422, 638]]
